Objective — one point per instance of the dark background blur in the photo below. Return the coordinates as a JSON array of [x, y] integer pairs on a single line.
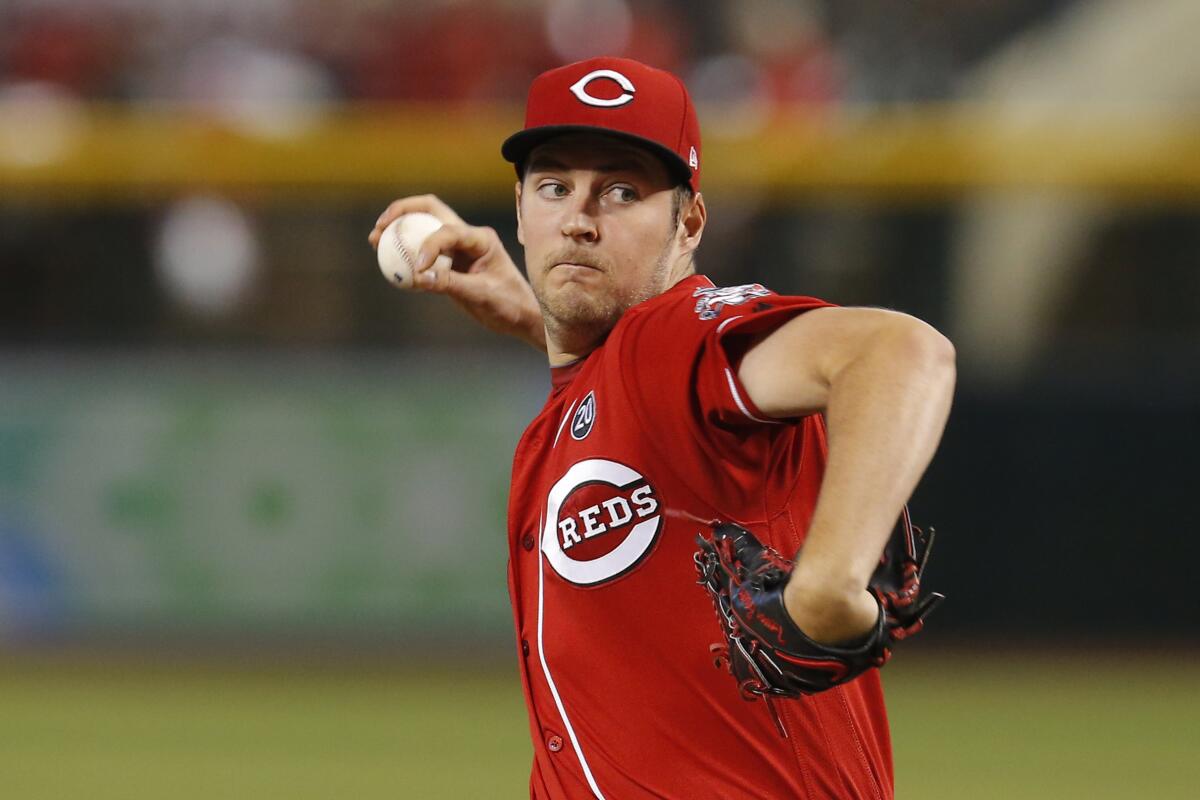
[[215, 416]]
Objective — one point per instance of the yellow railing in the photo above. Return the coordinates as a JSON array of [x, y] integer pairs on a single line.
[[119, 153]]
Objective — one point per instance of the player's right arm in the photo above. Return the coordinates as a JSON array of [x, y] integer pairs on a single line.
[[483, 279]]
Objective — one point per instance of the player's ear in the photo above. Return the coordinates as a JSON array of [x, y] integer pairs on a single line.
[[691, 222], [520, 232]]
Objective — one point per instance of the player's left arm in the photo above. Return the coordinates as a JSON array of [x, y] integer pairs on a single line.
[[884, 381]]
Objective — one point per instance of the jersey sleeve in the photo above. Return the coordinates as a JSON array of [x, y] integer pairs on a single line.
[[678, 362], [688, 352]]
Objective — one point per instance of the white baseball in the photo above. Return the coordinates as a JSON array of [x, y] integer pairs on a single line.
[[400, 243]]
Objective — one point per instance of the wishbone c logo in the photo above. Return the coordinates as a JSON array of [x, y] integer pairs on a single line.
[[579, 89]]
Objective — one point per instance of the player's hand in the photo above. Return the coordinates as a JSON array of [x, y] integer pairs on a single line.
[[830, 617], [830, 613], [482, 280], [766, 649]]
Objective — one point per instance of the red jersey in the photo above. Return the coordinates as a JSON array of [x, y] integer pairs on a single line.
[[640, 444]]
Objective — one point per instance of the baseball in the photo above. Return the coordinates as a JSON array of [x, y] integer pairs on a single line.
[[398, 247]]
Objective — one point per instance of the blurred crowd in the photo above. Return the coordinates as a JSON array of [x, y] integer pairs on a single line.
[[778, 51], [1003, 272]]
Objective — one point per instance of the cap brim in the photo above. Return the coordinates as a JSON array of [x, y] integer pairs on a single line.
[[518, 146]]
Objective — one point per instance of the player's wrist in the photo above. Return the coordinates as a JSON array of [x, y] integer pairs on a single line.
[[831, 615]]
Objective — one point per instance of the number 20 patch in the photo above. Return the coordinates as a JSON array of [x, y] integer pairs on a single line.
[[585, 417]]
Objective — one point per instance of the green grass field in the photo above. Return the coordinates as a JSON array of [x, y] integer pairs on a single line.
[[965, 726]]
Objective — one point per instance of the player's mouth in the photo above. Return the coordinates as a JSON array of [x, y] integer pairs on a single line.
[[577, 270], [575, 260]]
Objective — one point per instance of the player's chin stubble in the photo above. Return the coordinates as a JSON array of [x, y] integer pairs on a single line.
[[573, 311]]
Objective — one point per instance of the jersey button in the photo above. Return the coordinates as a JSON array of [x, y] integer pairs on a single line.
[[527, 542], [524, 647], [554, 743]]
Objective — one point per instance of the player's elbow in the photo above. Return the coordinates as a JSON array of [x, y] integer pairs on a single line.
[[940, 359], [922, 350]]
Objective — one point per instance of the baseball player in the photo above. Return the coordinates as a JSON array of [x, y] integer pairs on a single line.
[[677, 406]]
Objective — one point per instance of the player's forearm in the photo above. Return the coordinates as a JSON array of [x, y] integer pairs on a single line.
[[885, 414], [523, 318], [515, 299], [502, 303]]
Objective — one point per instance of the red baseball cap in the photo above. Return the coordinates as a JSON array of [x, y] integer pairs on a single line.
[[616, 96]]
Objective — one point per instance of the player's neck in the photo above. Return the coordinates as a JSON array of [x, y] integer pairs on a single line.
[[566, 346]]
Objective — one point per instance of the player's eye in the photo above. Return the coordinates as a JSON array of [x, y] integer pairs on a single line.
[[623, 194], [552, 189]]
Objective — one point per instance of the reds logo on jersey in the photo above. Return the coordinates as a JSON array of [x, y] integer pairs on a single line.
[[602, 519], [713, 299]]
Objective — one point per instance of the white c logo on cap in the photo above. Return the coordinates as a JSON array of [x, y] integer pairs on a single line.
[[579, 89]]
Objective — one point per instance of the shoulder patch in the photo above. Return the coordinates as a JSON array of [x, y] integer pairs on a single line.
[[712, 299]]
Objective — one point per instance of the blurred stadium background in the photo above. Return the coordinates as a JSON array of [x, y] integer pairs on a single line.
[[251, 499]]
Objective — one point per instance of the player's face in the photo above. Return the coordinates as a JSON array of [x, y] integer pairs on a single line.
[[597, 220]]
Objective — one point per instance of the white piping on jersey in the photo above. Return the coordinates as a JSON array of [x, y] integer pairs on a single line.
[[566, 417], [737, 398], [562, 712], [721, 327]]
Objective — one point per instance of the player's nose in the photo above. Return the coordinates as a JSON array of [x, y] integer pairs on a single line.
[[582, 229], [580, 223]]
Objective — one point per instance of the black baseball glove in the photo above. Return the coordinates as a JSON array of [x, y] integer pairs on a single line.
[[765, 651]]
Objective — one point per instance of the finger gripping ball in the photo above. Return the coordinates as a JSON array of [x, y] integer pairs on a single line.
[[400, 243]]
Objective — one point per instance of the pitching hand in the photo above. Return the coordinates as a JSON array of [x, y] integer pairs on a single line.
[[482, 279]]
